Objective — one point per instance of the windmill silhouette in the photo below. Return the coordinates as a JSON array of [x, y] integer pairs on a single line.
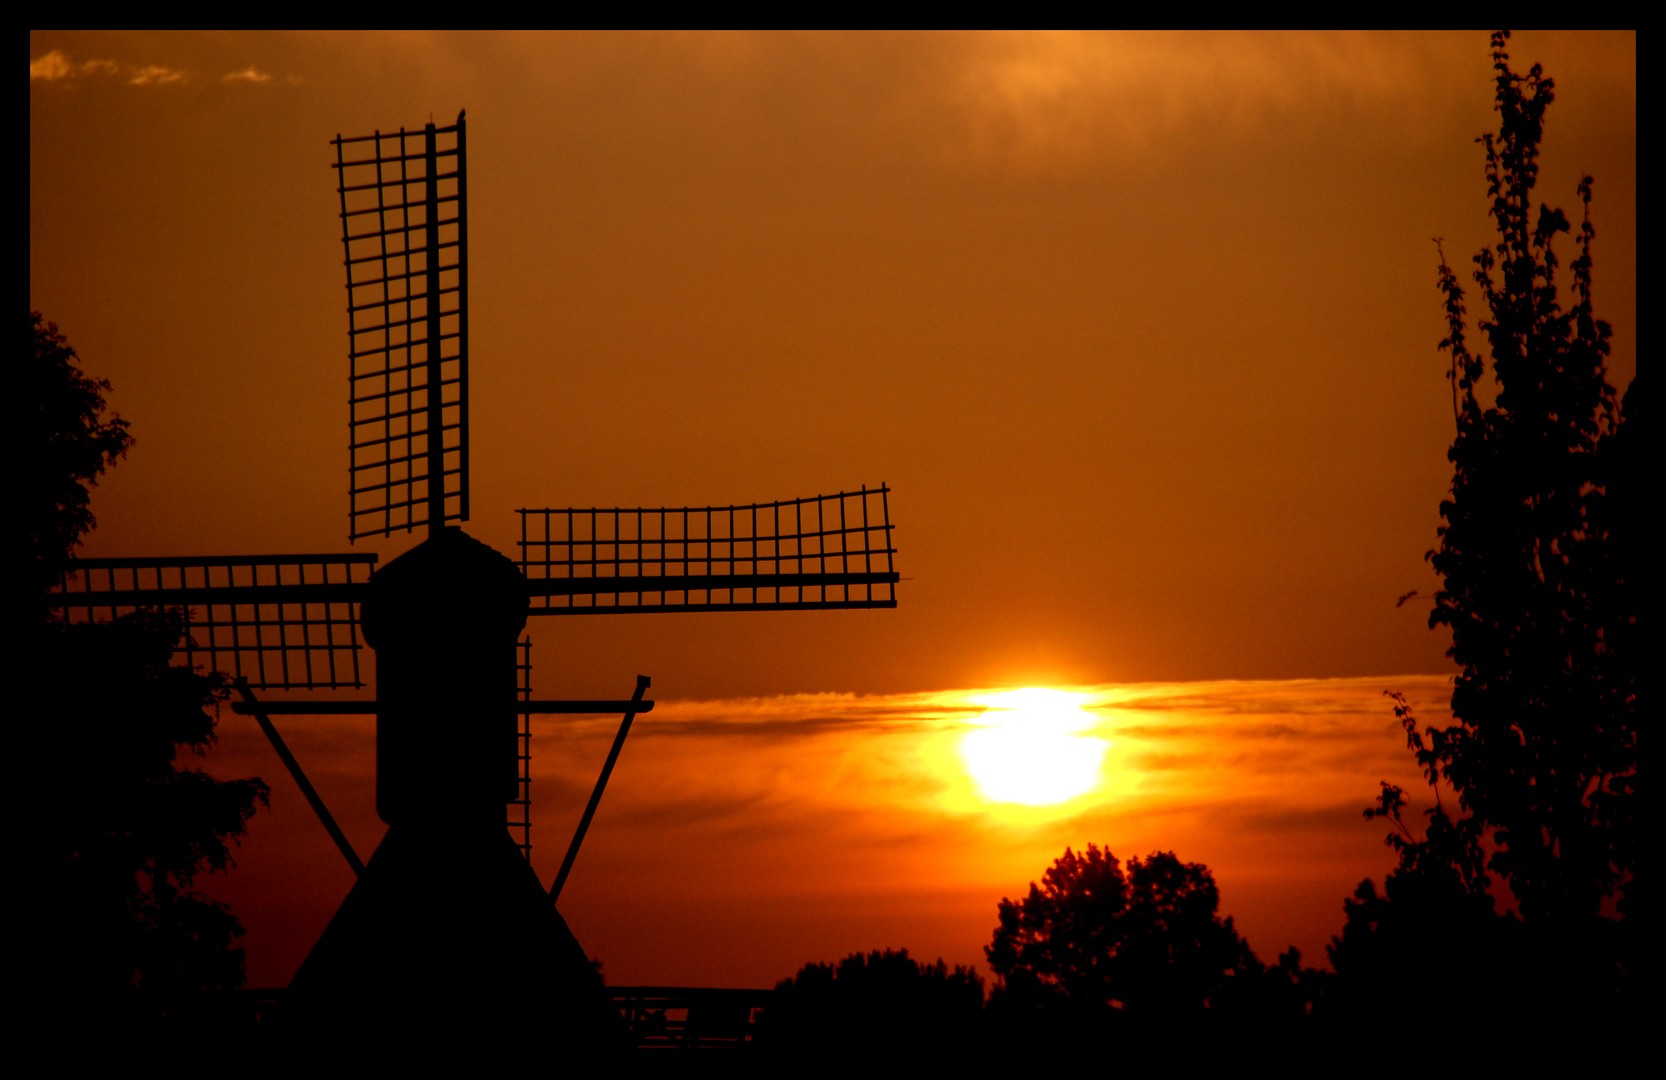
[[447, 923]]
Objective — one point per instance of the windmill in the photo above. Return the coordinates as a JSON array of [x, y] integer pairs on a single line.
[[447, 919]]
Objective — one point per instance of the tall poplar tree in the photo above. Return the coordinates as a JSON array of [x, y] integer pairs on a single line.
[[1540, 587], [1542, 606]]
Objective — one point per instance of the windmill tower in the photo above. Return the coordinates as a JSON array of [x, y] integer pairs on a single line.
[[447, 923]]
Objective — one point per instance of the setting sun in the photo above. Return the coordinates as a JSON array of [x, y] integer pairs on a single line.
[[1029, 748]]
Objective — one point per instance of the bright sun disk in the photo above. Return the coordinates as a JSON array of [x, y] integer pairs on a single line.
[[1028, 748]]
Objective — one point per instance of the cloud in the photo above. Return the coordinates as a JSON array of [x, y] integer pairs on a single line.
[[51, 67], [155, 75], [250, 74], [798, 716], [57, 66], [1045, 101]]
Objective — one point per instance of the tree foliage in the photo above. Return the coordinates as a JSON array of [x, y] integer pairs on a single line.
[[1543, 614], [1541, 592], [123, 840], [881, 999], [1095, 936], [1541, 600], [129, 842], [68, 441]]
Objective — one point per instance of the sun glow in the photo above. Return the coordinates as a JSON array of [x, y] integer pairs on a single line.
[[1028, 748]]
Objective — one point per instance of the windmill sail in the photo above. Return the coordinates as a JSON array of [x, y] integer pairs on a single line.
[[404, 224], [282, 622], [826, 551]]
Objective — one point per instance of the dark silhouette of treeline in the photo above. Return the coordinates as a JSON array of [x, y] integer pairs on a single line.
[[1097, 950], [1137, 957]]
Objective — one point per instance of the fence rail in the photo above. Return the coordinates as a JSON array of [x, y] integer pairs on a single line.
[[689, 1018]]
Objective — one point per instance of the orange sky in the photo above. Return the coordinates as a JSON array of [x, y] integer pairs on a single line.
[[1140, 328], [742, 838]]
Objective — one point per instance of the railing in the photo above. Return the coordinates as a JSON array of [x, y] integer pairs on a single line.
[[689, 1018], [657, 1018]]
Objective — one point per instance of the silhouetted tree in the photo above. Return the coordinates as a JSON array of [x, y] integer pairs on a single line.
[[1095, 942], [67, 441], [1434, 914], [882, 1000], [1543, 616], [123, 828], [1542, 593]]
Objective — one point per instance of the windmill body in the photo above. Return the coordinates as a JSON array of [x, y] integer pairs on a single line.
[[448, 923], [448, 931]]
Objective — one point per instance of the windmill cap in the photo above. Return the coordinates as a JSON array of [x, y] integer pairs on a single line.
[[450, 583]]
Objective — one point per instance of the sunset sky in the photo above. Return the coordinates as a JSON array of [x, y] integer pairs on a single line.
[[1139, 328]]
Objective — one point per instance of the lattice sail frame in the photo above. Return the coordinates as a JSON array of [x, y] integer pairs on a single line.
[[825, 551], [283, 622], [520, 807], [404, 227]]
